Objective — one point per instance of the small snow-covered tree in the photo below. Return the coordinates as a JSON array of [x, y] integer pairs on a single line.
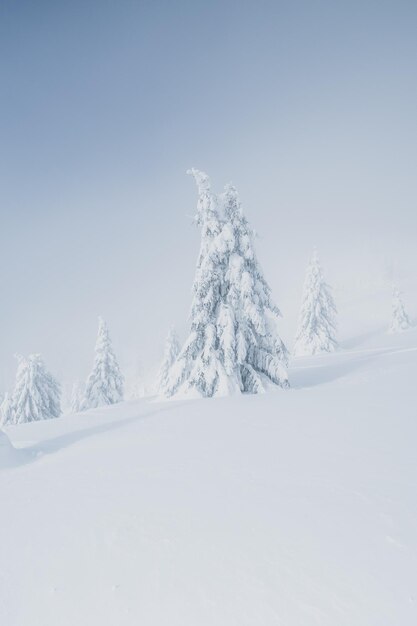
[[233, 345], [76, 397], [6, 410], [171, 351], [317, 323], [400, 320], [37, 395], [105, 383]]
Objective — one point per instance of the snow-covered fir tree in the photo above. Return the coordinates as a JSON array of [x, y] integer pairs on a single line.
[[257, 349], [105, 383], [6, 410], [76, 397], [317, 323], [233, 345], [198, 366], [37, 395], [171, 351], [400, 320]]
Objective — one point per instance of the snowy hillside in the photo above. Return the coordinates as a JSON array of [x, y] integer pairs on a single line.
[[293, 508]]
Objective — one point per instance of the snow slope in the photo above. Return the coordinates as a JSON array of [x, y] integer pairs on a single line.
[[9, 457], [295, 508]]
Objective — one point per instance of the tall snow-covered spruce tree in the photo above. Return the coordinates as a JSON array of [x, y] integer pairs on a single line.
[[37, 395], [400, 320], [317, 323], [233, 345], [105, 383], [171, 351]]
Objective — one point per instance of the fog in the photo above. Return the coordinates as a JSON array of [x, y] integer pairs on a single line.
[[309, 108]]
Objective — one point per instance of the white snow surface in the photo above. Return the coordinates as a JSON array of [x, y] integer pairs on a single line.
[[292, 508], [9, 457]]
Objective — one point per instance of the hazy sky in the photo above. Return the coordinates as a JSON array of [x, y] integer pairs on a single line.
[[309, 107]]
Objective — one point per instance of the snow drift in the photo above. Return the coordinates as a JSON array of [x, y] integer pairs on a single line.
[[295, 508], [8, 455]]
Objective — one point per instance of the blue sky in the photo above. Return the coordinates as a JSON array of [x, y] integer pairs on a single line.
[[308, 107]]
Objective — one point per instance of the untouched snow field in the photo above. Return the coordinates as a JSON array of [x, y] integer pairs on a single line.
[[294, 508]]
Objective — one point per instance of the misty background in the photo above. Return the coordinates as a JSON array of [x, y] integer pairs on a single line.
[[309, 108]]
